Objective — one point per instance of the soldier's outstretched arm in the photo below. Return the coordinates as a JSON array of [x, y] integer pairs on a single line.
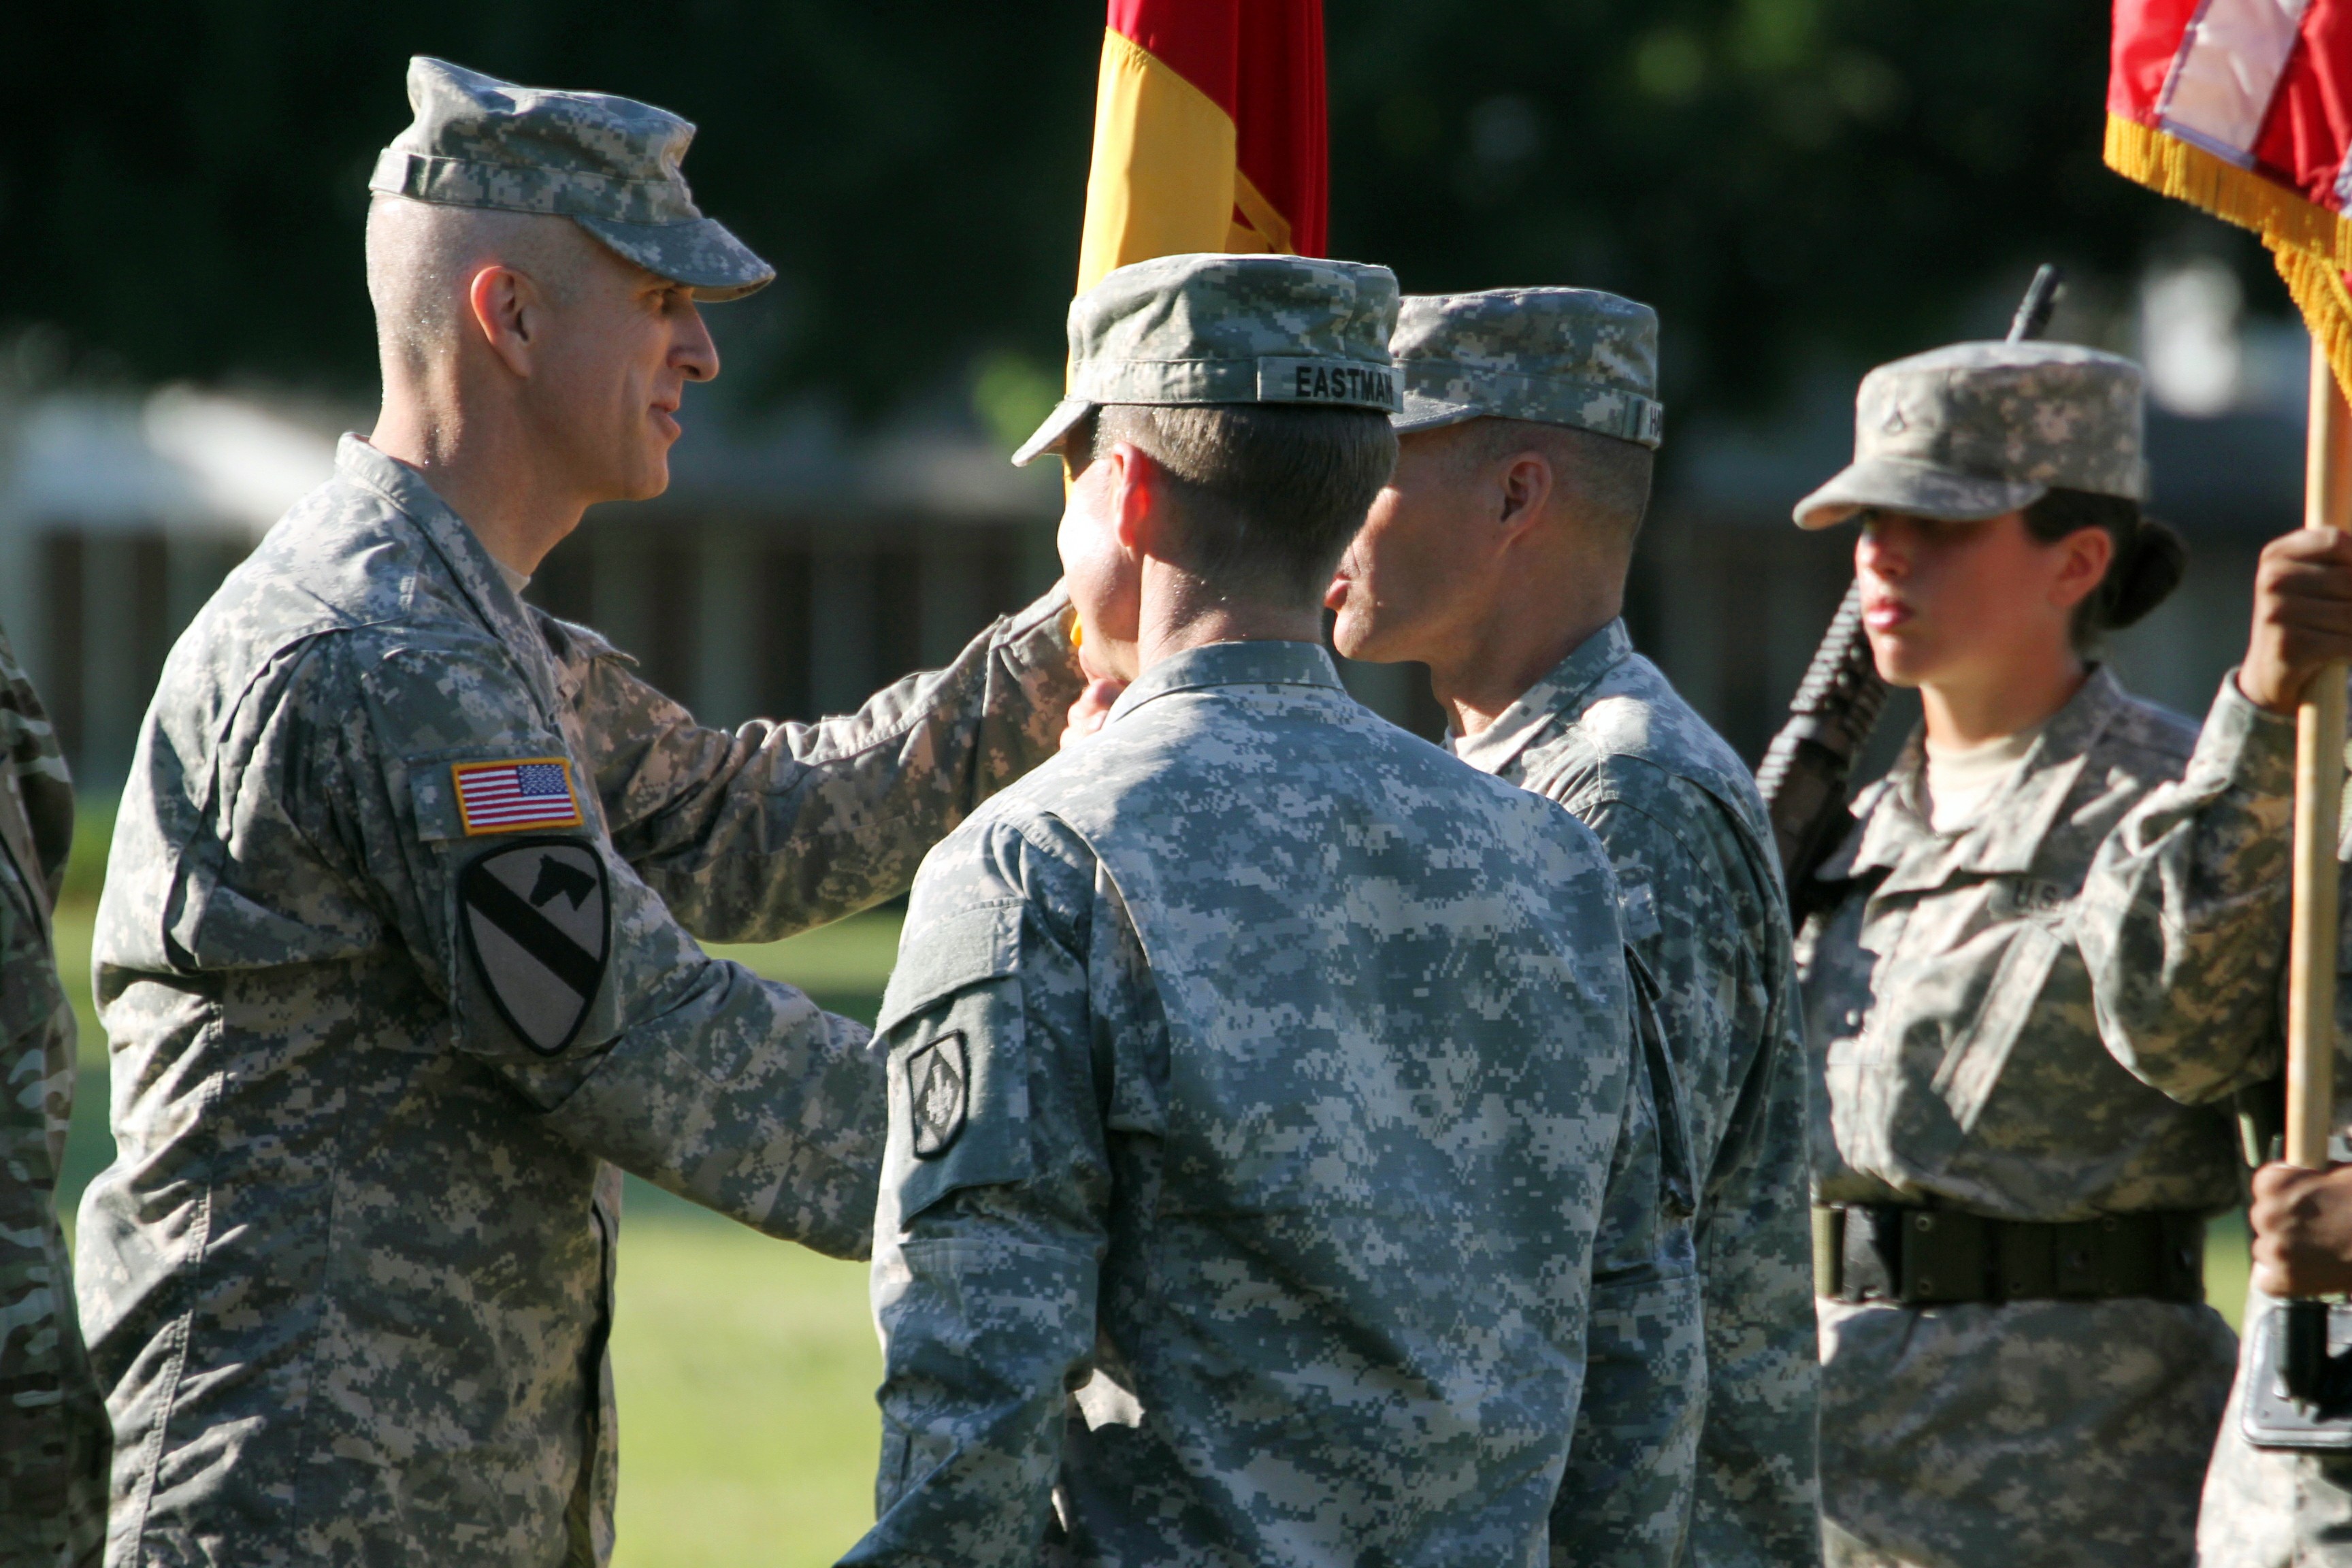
[[753, 833], [994, 1213], [563, 974], [2185, 913]]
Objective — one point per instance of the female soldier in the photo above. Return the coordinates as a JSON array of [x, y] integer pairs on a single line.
[[2017, 1365]]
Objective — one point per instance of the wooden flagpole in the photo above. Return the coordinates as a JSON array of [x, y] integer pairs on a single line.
[[2318, 798], [2312, 936]]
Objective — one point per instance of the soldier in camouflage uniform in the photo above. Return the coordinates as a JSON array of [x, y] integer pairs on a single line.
[[2187, 917], [52, 1422], [1258, 1075], [2018, 1365], [1497, 556], [394, 950]]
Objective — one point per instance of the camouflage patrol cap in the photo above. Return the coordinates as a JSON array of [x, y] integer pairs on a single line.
[[610, 164], [1207, 328], [1558, 356], [1971, 431]]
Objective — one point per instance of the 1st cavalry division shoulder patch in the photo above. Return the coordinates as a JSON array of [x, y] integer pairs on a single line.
[[514, 796], [536, 923]]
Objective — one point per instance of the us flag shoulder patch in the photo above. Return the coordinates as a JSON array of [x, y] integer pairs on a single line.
[[506, 797]]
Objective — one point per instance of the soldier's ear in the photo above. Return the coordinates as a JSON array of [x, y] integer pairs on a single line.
[[1141, 507], [1525, 484], [506, 307], [2085, 555]]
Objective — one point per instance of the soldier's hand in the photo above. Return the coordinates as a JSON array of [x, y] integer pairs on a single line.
[[1087, 713], [2303, 615], [2303, 1230]]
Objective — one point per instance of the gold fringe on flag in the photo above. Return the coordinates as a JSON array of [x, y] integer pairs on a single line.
[[2318, 290], [2171, 167], [2312, 246]]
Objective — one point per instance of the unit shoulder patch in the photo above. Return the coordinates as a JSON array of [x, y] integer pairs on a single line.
[[938, 1092], [537, 925], [516, 796]]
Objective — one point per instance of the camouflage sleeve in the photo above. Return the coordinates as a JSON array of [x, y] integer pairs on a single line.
[[53, 1430], [2183, 919], [1625, 1496], [772, 828], [574, 985], [1758, 1493], [995, 1200], [1708, 920], [33, 768]]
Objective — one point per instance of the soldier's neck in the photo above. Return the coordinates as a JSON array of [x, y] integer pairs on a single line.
[[1989, 704], [1478, 675], [486, 471], [1179, 612]]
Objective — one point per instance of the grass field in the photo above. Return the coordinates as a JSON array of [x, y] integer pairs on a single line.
[[745, 1367]]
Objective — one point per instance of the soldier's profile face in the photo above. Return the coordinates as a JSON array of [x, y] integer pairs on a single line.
[[610, 374], [1943, 599], [1102, 575], [1415, 576]]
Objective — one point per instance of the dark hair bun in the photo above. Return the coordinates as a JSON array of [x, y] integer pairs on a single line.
[[2144, 574]]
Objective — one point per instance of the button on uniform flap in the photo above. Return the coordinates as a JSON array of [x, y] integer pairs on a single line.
[[967, 948]]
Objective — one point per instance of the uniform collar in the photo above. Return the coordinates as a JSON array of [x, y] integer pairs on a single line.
[[470, 564], [1251, 663], [1560, 694], [2008, 827]]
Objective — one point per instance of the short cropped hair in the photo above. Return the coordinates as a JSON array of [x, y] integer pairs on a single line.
[[421, 254], [1267, 496], [1604, 479]]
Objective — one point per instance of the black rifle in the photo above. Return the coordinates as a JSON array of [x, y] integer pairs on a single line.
[[1803, 779]]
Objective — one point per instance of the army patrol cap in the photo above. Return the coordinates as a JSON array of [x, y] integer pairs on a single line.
[[1971, 431], [610, 164], [1206, 329], [1557, 356]]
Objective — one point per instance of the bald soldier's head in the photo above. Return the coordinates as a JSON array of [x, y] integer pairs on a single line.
[[421, 260], [535, 262], [522, 336]]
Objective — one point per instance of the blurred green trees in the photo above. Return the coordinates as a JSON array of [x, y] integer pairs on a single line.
[[184, 188]]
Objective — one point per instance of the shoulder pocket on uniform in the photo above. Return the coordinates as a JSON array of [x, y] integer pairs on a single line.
[[953, 1025], [968, 947]]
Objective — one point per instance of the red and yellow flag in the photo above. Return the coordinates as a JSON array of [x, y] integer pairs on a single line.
[[1209, 132], [2243, 108]]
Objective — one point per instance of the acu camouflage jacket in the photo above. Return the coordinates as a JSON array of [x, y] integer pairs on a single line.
[[1978, 1045], [1259, 1079], [348, 1278]]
